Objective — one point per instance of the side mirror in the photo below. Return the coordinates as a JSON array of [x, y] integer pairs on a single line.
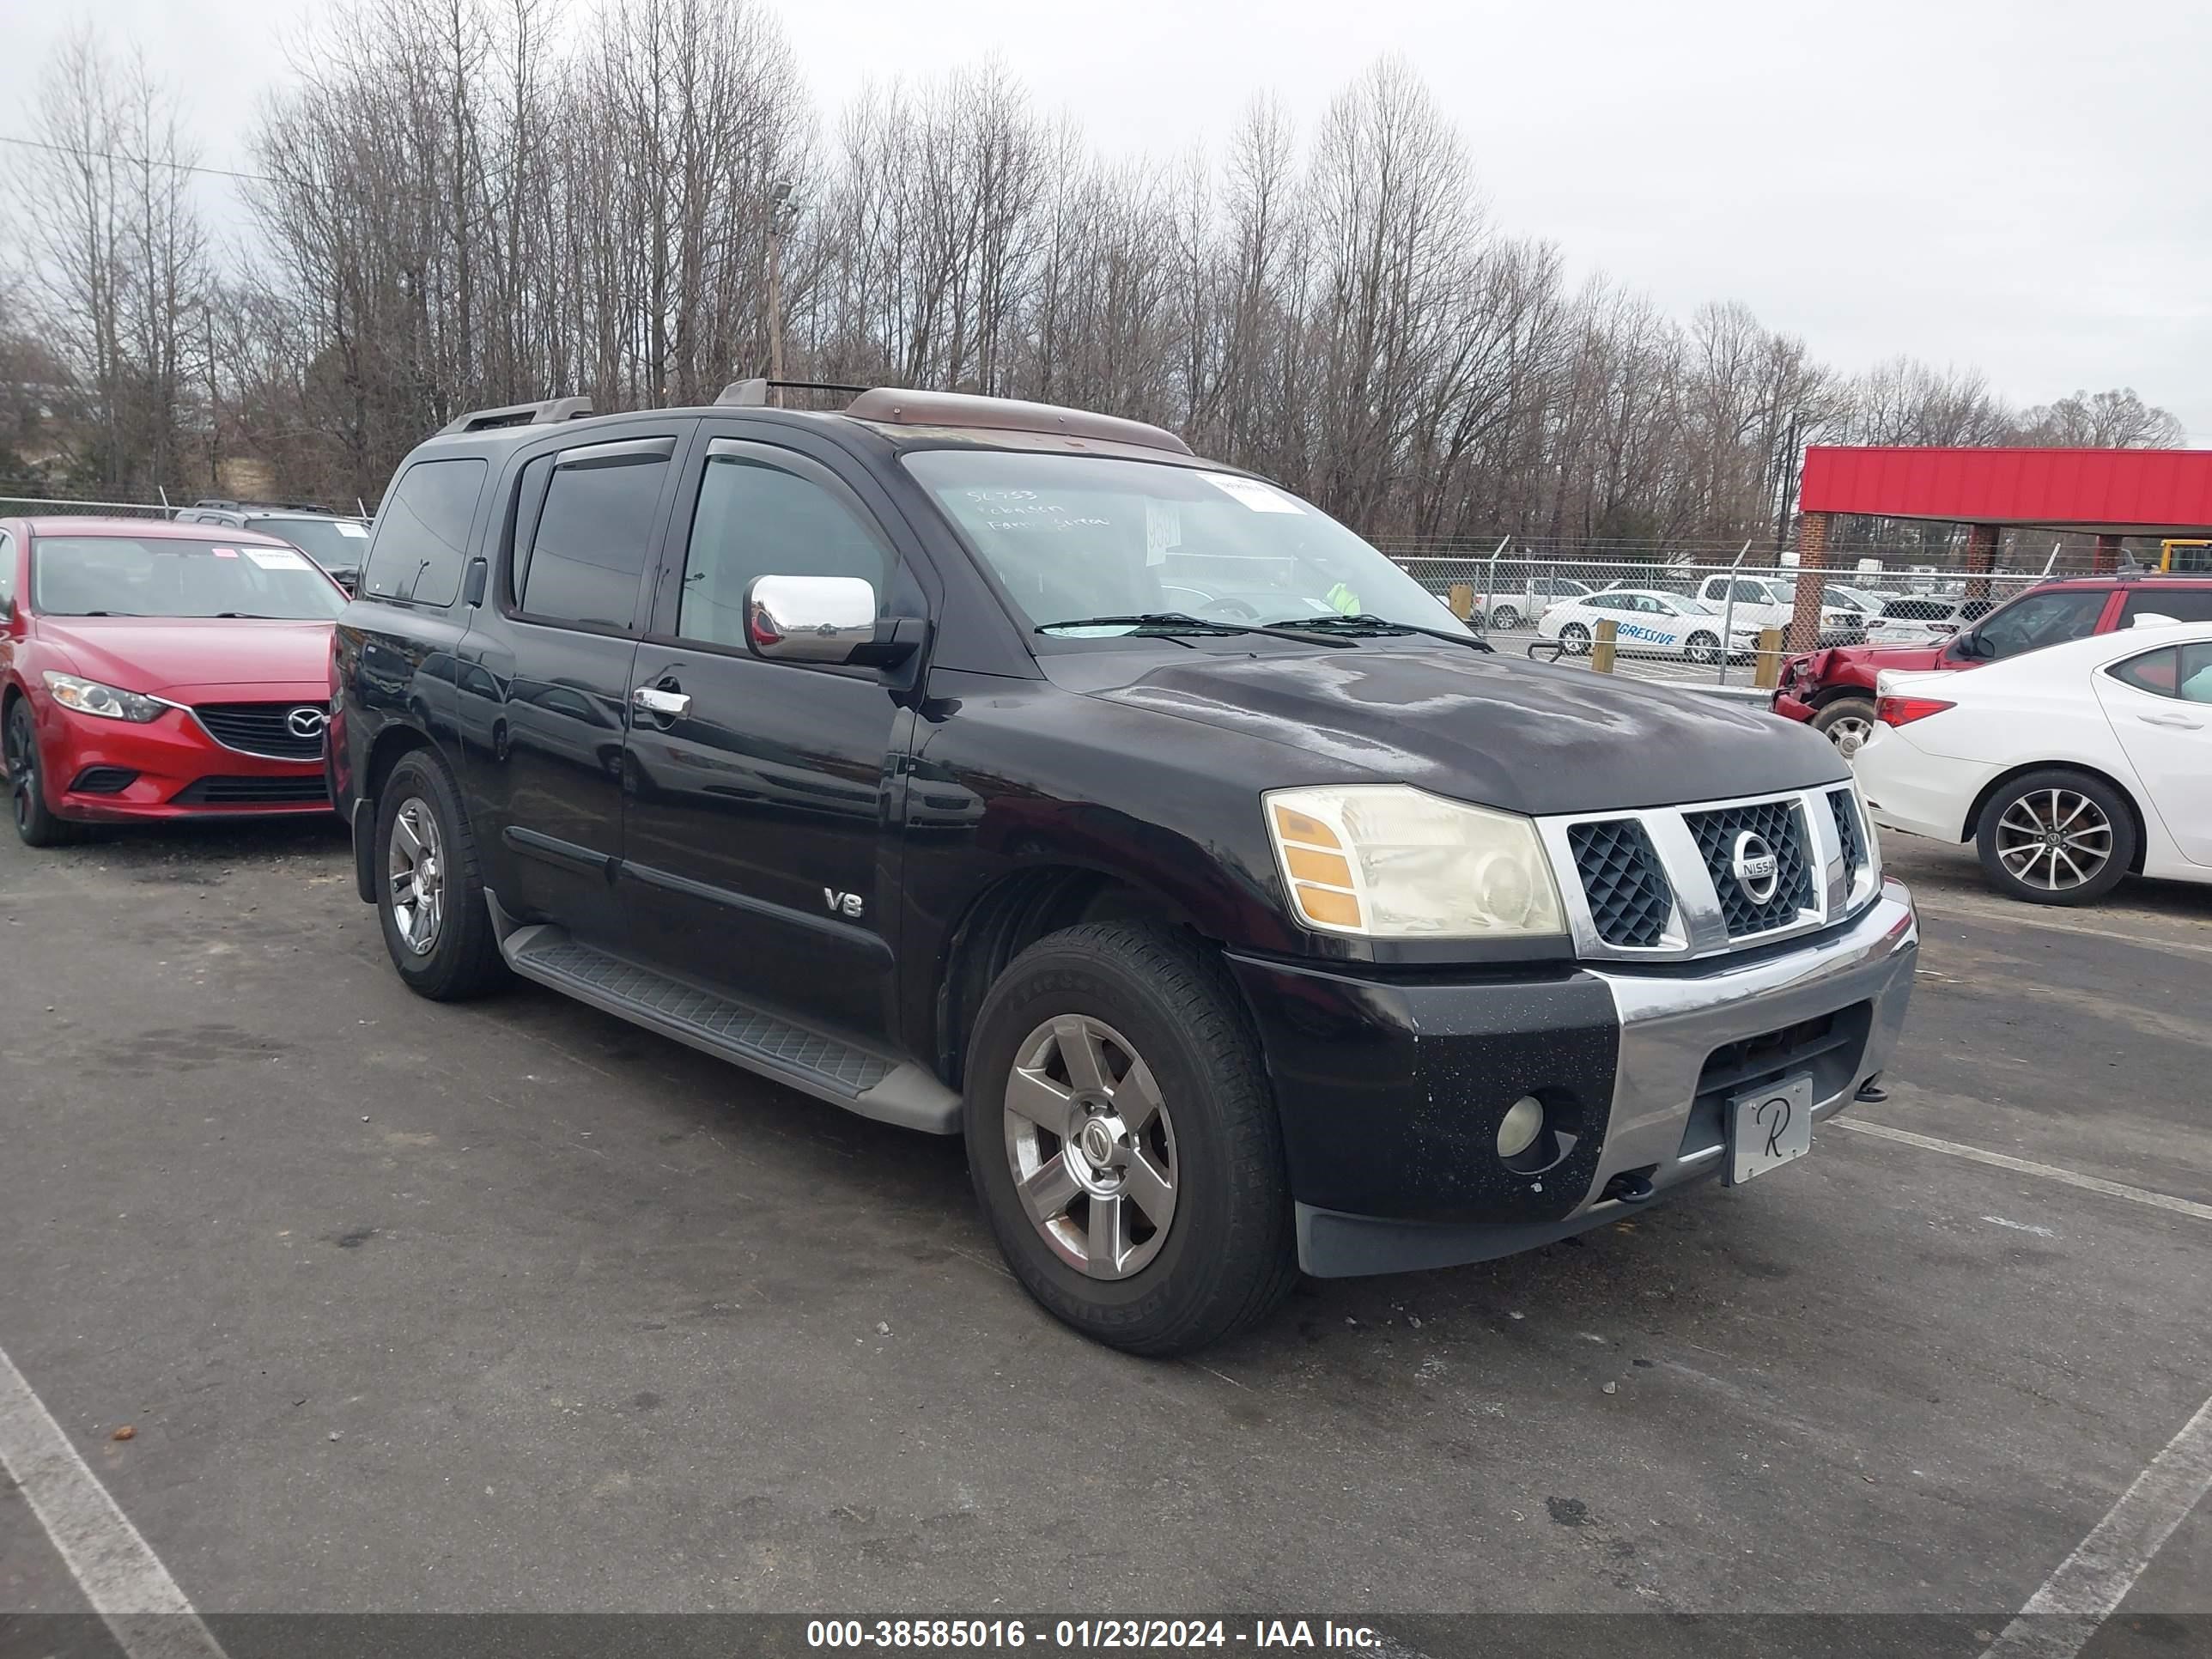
[[823, 619]]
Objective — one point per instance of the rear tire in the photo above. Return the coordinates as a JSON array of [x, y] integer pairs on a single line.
[[1505, 619], [38, 823], [430, 893], [2056, 836], [1575, 639], [1847, 722], [1180, 1233]]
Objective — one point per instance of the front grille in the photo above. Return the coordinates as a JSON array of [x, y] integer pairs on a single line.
[[1628, 896], [263, 728], [252, 792], [1847, 829], [1780, 825]]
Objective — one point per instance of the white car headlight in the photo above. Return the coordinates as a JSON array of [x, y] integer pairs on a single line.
[[91, 697], [1386, 861]]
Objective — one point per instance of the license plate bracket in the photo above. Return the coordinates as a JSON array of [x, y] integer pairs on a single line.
[[1769, 1126]]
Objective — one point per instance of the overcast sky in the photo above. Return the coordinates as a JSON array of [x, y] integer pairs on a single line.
[[2022, 185]]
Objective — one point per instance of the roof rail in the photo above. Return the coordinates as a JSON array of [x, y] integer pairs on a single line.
[[547, 413], [753, 394]]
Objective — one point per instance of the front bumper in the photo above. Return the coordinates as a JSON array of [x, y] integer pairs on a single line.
[[1390, 1094], [1790, 709], [120, 771]]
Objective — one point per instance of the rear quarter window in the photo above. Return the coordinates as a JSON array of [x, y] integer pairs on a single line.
[[421, 539]]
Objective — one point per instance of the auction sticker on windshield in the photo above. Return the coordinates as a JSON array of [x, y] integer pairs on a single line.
[[1769, 1126], [276, 558], [1260, 498]]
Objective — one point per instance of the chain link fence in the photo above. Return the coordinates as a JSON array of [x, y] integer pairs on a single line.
[[52, 506], [1701, 617]]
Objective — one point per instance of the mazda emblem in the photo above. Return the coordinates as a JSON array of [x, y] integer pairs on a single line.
[[1757, 871], [307, 722]]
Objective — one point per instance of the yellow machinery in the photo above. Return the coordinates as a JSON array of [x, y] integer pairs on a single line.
[[2195, 557]]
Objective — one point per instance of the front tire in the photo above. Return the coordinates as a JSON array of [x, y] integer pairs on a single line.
[[1847, 722], [38, 823], [1702, 648], [2056, 836], [1123, 1143], [1575, 639], [430, 890]]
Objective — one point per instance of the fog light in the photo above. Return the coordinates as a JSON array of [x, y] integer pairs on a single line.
[[1518, 1129]]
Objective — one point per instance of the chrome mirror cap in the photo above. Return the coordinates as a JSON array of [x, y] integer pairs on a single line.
[[825, 619]]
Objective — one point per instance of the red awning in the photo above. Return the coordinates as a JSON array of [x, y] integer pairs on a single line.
[[2121, 492]]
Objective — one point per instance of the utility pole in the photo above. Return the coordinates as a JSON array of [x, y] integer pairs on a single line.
[[782, 214]]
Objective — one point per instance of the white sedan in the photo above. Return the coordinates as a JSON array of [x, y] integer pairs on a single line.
[[1648, 623], [2069, 766]]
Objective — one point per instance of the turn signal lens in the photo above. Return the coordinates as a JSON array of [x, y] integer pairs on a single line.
[[1903, 711]]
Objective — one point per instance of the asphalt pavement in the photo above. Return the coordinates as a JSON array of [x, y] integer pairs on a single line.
[[512, 1307]]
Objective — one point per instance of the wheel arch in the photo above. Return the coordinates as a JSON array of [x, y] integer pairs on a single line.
[[1014, 911], [1988, 791], [384, 752]]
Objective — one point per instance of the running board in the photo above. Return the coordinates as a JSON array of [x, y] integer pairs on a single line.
[[827, 1067]]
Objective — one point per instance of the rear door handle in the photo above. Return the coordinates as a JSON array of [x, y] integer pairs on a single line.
[[653, 700], [2180, 720]]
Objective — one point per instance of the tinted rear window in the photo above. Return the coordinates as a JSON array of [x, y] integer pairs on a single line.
[[421, 538]]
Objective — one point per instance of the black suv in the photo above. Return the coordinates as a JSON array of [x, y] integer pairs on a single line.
[[1276, 923], [332, 541]]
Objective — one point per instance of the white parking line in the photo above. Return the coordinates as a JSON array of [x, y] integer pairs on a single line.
[[2090, 1584], [121, 1576], [2048, 1171]]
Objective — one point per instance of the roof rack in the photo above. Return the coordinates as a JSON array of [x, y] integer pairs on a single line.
[[224, 503], [550, 412], [895, 407], [753, 394]]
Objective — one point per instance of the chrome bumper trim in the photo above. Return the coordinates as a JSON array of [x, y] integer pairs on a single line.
[[1670, 1024]]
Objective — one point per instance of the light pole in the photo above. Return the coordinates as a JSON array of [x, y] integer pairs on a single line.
[[782, 214]]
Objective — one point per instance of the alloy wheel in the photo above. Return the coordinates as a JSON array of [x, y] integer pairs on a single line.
[[22, 770], [1574, 639], [2055, 839], [1091, 1146], [1849, 734], [415, 870], [1702, 649]]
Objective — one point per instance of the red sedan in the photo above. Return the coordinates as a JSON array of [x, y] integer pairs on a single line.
[[151, 670]]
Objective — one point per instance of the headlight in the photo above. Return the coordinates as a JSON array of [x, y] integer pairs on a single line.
[[91, 697], [1385, 860]]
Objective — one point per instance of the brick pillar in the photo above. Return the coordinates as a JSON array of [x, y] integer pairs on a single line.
[[2108, 554], [1982, 541], [1812, 581]]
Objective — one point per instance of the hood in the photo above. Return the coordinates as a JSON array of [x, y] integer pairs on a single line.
[[164, 655], [1496, 731]]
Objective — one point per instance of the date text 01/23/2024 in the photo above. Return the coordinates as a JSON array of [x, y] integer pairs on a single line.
[[1007, 1635]]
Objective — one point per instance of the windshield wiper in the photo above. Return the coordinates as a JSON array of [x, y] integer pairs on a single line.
[[1171, 622], [1367, 623]]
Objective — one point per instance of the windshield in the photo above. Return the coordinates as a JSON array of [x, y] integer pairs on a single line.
[[1071, 536], [170, 576], [333, 544]]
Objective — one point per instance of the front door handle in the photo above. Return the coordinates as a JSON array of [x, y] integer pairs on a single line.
[[2180, 720], [657, 700]]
